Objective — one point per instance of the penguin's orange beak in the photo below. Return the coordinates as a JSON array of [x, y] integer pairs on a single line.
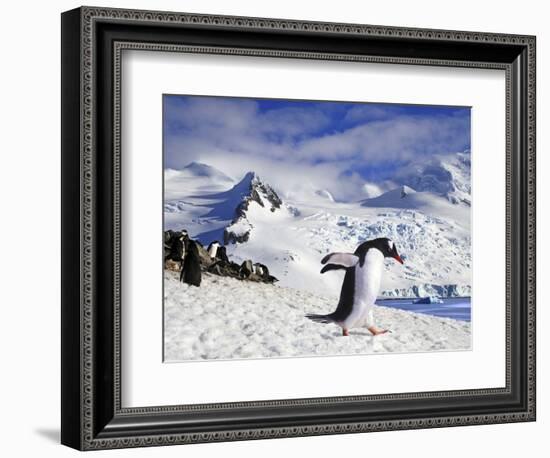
[[398, 259]]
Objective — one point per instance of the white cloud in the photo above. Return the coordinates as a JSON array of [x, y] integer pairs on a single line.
[[396, 139]]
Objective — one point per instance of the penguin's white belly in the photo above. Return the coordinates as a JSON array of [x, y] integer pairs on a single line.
[[213, 251], [367, 286]]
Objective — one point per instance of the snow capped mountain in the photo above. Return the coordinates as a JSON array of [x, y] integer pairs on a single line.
[[427, 202], [255, 198], [211, 206], [446, 175], [430, 224]]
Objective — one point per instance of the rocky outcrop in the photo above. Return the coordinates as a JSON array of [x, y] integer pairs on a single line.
[[258, 192], [176, 244]]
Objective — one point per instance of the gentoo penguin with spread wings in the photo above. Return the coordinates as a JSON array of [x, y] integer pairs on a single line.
[[361, 284]]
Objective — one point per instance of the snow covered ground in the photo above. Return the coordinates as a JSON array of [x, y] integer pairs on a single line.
[[227, 319]]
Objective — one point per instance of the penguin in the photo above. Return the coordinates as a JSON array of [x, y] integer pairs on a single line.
[[261, 270], [213, 249], [191, 268], [222, 254], [246, 269], [175, 245], [361, 284]]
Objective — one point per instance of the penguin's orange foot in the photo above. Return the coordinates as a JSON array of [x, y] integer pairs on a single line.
[[345, 332], [377, 331]]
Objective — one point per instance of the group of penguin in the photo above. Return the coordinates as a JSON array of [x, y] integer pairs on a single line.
[[191, 256]]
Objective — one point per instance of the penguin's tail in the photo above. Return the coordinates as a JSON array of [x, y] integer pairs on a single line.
[[320, 318]]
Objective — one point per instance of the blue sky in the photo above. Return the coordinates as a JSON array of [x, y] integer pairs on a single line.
[[338, 145]]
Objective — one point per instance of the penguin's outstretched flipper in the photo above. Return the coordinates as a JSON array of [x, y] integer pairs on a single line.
[[332, 267], [337, 261]]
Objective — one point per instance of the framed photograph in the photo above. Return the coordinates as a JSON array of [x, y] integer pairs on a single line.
[[276, 228]]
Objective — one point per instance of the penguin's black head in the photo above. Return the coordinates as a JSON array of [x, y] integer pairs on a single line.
[[388, 248]]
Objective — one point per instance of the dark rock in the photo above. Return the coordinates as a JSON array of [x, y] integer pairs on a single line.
[[224, 269], [172, 265], [231, 237]]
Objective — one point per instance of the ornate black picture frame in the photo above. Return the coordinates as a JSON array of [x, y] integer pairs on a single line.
[[92, 42]]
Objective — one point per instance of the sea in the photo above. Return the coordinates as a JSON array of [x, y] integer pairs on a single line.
[[458, 308]]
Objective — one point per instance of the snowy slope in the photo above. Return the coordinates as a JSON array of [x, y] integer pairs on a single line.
[[432, 232], [194, 179], [198, 198], [227, 318]]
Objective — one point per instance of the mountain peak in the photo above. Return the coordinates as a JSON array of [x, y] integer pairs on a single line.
[[250, 178], [252, 190], [251, 187]]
